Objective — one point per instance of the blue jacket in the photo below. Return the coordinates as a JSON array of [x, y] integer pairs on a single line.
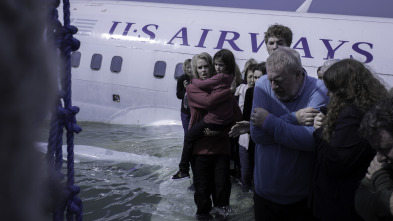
[[284, 151]]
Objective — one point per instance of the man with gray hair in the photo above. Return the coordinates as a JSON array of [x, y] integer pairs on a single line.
[[284, 148]]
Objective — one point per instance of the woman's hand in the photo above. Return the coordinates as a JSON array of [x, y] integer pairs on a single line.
[[318, 120], [207, 132], [239, 128]]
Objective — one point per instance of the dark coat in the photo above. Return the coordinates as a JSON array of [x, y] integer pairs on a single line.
[[340, 166], [372, 200], [180, 92]]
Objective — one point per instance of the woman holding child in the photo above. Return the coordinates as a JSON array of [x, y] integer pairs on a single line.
[[212, 103]]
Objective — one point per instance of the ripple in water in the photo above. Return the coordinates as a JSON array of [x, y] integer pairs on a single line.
[[124, 173]]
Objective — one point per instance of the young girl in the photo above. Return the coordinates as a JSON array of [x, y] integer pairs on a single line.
[[220, 115]]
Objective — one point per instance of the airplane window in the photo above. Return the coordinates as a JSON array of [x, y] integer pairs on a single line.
[[179, 70], [159, 69], [96, 61], [117, 61], [75, 59]]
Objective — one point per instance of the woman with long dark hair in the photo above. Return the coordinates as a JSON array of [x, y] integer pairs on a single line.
[[342, 155]]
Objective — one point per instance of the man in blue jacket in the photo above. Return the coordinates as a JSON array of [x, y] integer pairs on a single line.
[[284, 148]]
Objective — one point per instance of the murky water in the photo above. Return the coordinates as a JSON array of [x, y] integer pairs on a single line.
[[124, 173]]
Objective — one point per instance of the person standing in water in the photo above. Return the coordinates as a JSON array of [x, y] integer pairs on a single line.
[[210, 154], [217, 118], [182, 83]]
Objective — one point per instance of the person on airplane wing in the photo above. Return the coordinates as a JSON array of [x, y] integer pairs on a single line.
[[284, 146], [242, 128], [182, 83], [342, 156], [374, 197], [210, 154], [217, 118]]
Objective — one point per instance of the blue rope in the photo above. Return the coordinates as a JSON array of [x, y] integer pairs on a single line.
[[64, 116]]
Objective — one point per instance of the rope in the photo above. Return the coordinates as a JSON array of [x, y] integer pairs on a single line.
[[64, 114]]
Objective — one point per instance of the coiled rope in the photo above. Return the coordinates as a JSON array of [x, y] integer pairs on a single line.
[[64, 113]]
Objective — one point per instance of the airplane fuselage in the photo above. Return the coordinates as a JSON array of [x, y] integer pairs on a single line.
[[151, 40]]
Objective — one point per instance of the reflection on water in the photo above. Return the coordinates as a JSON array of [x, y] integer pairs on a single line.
[[124, 173]]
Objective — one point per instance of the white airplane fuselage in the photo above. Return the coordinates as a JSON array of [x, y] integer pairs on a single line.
[[141, 34]]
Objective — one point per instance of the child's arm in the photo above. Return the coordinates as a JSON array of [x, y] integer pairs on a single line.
[[200, 99], [208, 84]]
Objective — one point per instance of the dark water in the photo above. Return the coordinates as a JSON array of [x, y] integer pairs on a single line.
[[124, 173]]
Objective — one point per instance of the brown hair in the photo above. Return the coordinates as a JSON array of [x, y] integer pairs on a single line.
[[279, 31], [350, 83]]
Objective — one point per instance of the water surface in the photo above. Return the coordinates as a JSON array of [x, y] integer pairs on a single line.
[[124, 173]]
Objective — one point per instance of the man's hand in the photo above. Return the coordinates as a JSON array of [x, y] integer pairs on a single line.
[[258, 116], [375, 165], [239, 128], [318, 120], [306, 116]]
